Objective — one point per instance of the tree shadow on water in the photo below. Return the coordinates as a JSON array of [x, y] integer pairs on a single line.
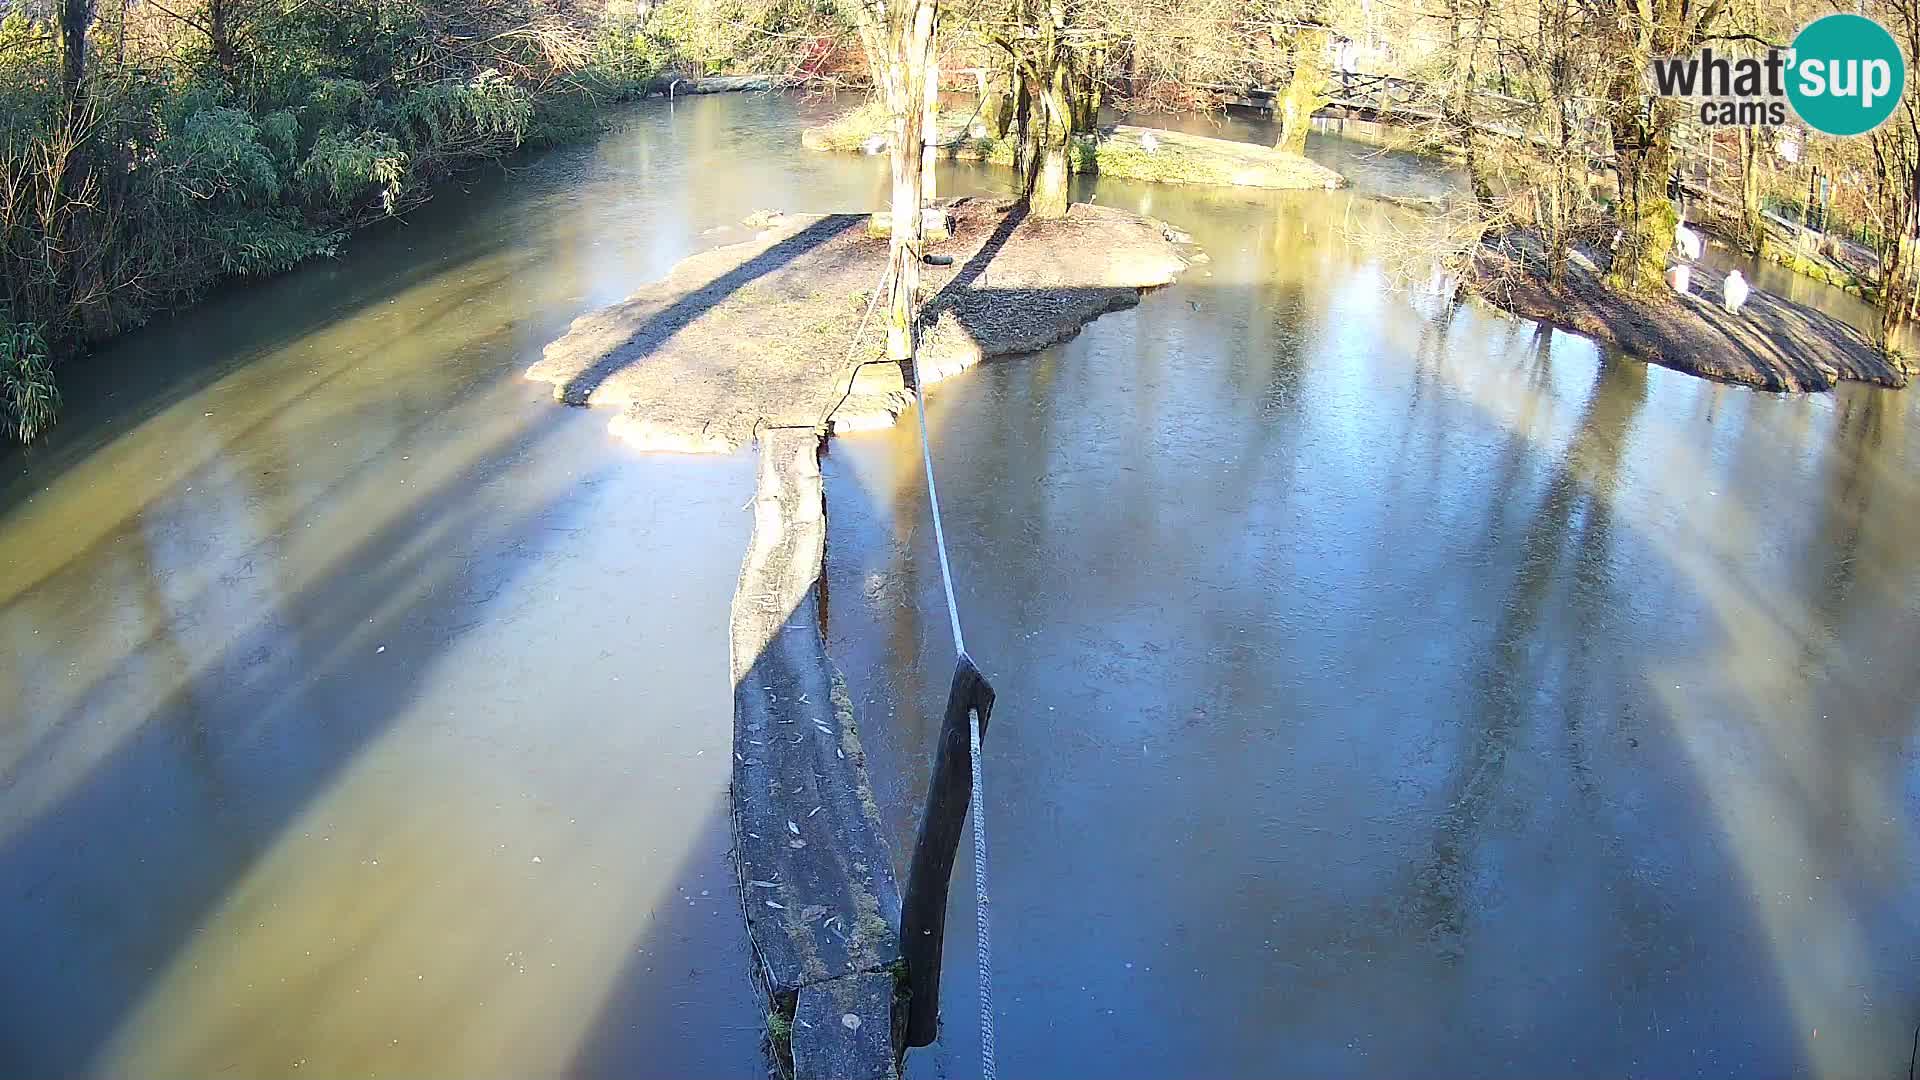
[[126, 382], [683, 1002], [115, 872], [1537, 798], [659, 1016]]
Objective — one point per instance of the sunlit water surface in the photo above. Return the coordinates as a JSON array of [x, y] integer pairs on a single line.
[[1390, 691], [1383, 690], [366, 711]]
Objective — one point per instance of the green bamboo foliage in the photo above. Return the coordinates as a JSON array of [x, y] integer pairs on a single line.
[[29, 400]]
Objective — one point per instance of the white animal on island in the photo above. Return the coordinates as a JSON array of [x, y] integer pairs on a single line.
[[875, 144], [1685, 240], [1734, 291], [1681, 278], [1149, 141]]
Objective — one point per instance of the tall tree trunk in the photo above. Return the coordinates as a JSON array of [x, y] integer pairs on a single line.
[[996, 107], [1558, 221], [1306, 89], [1457, 107], [1042, 58], [1643, 133], [221, 17], [911, 57], [1900, 275], [1643, 161], [1753, 220], [1048, 197], [930, 124], [120, 37], [1086, 100], [76, 18]]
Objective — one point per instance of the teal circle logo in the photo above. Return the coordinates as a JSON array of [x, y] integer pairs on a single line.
[[1845, 74]]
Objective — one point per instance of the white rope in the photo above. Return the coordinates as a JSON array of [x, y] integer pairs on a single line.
[[933, 499], [983, 939], [984, 954]]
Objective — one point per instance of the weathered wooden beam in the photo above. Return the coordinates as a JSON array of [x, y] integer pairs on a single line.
[[923, 912]]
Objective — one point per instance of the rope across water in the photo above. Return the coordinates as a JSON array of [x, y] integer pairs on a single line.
[[984, 947], [983, 938]]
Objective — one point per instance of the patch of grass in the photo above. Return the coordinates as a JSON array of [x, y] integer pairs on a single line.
[[1174, 159], [780, 1040], [848, 132]]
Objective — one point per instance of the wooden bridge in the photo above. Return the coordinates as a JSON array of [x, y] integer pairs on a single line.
[[1391, 99]]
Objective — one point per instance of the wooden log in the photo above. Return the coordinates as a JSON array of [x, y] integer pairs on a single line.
[[923, 912]]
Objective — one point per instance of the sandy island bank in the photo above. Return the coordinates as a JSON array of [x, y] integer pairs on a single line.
[[756, 335]]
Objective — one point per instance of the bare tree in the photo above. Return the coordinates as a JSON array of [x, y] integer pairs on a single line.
[[901, 34], [1042, 43], [1896, 156], [1632, 33]]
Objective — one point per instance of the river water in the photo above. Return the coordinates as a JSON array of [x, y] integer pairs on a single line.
[[1390, 691], [1380, 688], [367, 712]]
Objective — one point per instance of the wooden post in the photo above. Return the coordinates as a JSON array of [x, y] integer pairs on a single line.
[[923, 912]]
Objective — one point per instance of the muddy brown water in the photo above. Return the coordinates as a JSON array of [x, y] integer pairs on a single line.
[[364, 711], [1380, 690]]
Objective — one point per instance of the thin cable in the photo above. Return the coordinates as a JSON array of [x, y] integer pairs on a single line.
[[939, 534], [983, 939], [853, 369]]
